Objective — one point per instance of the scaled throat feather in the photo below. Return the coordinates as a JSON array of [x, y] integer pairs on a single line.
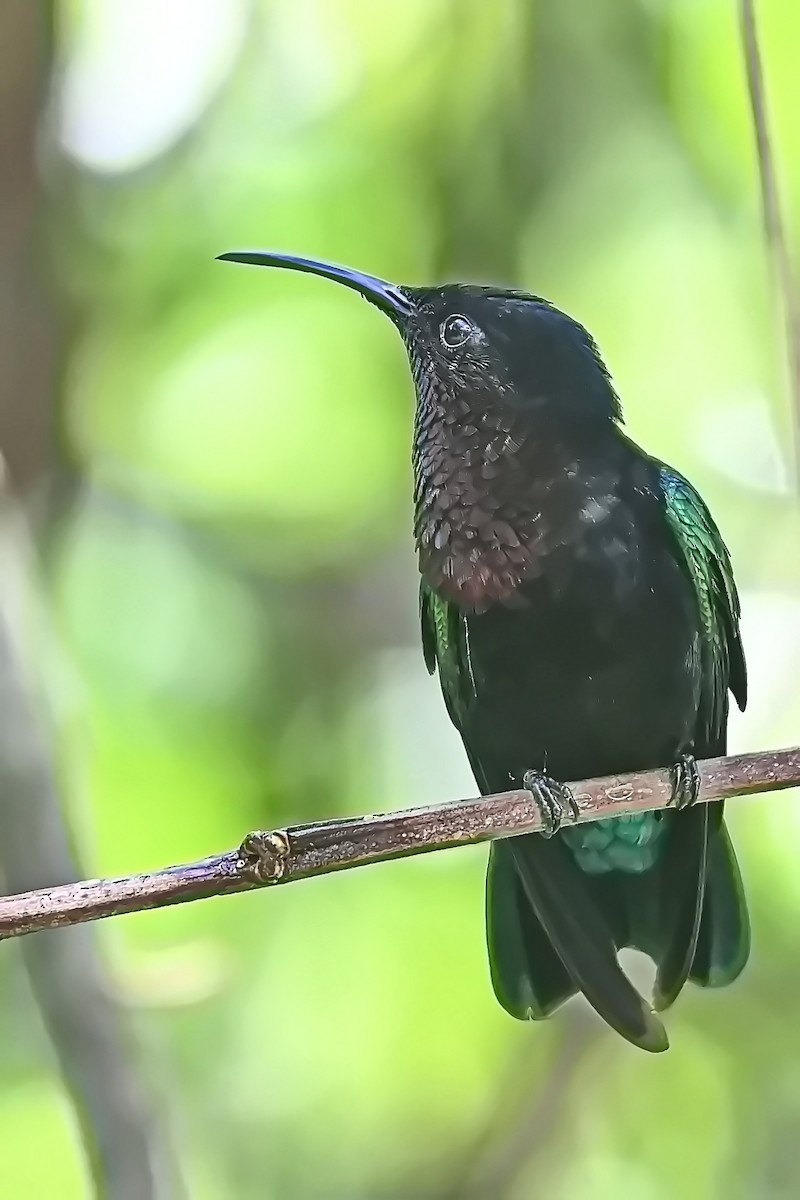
[[475, 525]]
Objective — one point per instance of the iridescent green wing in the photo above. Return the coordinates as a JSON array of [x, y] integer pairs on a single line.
[[445, 644], [708, 565], [723, 942]]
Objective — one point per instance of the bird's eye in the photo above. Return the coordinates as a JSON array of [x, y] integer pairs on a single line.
[[455, 331]]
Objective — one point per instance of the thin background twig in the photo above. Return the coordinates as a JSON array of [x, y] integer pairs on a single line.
[[774, 227], [528, 1121]]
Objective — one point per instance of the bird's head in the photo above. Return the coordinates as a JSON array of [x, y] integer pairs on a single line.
[[497, 347], [510, 393]]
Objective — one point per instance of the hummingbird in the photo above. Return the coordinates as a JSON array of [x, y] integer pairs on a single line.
[[578, 603]]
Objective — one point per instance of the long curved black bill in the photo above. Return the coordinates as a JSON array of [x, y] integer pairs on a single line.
[[386, 296]]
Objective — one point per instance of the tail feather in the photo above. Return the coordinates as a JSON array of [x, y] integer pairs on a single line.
[[581, 939], [552, 930], [528, 977], [723, 945], [681, 885]]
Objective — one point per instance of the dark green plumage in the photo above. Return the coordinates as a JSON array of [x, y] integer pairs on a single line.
[[624, 623], [634, 868], [629, 843], [578, 604], [708, 566]]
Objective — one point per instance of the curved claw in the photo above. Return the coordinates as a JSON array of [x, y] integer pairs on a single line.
[[554, 800], [685, 782]]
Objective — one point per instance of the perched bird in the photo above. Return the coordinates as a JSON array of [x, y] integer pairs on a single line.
[[578, 603]]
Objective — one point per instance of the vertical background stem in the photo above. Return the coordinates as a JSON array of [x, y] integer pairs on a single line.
[[774, 227], [123, 1134]]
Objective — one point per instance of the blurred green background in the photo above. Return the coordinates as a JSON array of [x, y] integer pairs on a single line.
[[230, 574]]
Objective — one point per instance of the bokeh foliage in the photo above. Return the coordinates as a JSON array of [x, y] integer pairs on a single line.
[[234, 586]]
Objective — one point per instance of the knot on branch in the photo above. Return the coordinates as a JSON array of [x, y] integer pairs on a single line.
[[262, 856]]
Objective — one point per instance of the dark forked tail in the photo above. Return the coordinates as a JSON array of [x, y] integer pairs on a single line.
[[553, 930]]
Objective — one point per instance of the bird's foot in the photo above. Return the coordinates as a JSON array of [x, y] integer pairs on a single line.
[[554, 801], [685, 782]]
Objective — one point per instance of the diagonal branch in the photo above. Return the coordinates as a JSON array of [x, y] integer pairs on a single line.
[[284, 855], [774, 228]]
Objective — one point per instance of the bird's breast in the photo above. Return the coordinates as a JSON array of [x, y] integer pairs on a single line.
[[478, 546], [474, 541], [590, 679], [494, 502]]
